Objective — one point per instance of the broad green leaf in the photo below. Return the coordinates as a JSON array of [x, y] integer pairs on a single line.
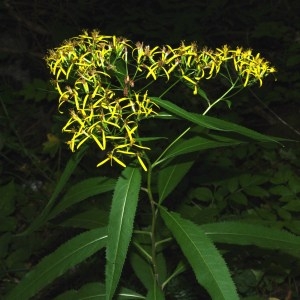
[[96, 291], [81, 191], [211, 122], [239, 233], [57, 263], [68, 171], [170, 176], [120, 225], [206, 261]]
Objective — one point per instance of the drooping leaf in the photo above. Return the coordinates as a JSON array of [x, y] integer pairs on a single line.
[[211, 122], [206, 261], [83, 190], [120, 225], [96, 291], [240, 233], [57, 263], [170, 176]]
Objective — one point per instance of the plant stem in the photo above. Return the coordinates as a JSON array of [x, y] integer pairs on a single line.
[[221, 98], [169, 88], [154, 211]]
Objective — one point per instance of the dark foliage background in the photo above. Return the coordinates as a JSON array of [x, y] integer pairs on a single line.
[[32, 149]]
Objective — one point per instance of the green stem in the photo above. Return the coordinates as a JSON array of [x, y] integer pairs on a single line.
[[221, 98], [141, 249], [169, 88], [159, 159], [154, 211]]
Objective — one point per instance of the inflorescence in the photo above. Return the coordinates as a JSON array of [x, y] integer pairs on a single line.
[[95, 76]]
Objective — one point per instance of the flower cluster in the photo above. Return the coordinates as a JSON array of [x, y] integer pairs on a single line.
[[90, 77], [95, 76], [191, 64]]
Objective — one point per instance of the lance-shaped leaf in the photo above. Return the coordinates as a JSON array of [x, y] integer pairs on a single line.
[[68, 171], [196, 144], [239, 233], [96, 290], [170, 176], [82, 190], [120, 225], [57, 263], [206, 261], [155, 293], [211, 122]]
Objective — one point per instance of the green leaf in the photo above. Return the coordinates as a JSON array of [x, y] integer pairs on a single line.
[[96, 290], [141, 261], [90, 219], [68, 171], [81, 191], [155, 293], [120, 225], [208, 265], [57, 263], [170, 176], [142, 269], [239, 198], [5, 240], [211, 122], [256, 191], [7, 224], [239, 233], [202, 94], [293, 205], [181, 267], [7, 203], [196, 144]]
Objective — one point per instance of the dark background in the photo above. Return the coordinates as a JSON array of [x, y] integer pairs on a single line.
[[28, 111], [30, 28]]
